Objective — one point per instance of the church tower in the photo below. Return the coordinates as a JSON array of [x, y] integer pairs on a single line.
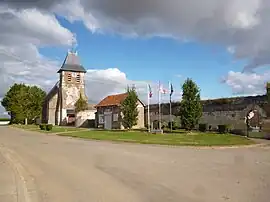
[[71, 85]]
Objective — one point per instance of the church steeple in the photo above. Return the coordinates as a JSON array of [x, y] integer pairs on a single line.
[[72, 61]]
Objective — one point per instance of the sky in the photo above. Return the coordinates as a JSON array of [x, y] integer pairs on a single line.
[[224, 46]]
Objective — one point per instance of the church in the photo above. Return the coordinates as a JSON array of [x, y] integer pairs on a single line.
[[58, 107]]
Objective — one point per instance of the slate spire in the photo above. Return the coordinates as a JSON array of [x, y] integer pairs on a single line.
[[72, 63]]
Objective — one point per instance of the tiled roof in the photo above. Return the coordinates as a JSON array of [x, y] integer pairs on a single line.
[[112, 100], [72, 63]]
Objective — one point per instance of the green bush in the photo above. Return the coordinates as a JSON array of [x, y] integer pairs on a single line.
[[49, 127], [202, 127], [42, 126], [223, 129], [172, 124]]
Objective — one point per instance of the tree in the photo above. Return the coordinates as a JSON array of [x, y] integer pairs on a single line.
[[268, 92], [81, 104], [23, 101], [191, 109], [129, 109]]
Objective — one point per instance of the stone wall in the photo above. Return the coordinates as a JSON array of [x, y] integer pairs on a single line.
[[71, 89], [84, 118], [230, 111], [236, 118]]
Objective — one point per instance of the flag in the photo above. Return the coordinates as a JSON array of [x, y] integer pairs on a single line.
[[171, 89], [162, 90], [150, 91]]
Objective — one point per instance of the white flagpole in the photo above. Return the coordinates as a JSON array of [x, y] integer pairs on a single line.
[[148, 110], [159, 109], [170, 105]]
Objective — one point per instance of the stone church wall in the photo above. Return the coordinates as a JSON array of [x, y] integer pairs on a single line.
[[53, 103]]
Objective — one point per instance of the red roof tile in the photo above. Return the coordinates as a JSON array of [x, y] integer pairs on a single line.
[[112, 100]]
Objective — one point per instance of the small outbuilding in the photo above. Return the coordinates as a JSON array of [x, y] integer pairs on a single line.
[[109, 112]]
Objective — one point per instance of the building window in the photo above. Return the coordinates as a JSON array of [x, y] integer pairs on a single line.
[[69, 77], [78, 78], [101, 119], [115, 117], [108, 110]]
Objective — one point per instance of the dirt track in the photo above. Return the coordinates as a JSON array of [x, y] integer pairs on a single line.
[[52, 169]]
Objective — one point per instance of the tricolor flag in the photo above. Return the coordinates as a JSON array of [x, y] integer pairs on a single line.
[[150, 91]]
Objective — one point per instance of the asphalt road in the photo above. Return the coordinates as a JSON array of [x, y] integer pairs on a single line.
[[46, 168]]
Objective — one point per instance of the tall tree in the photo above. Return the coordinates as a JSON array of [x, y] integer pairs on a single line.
[[129, 109], [268, 92], [23, 101], [191, 109], [81, 104]]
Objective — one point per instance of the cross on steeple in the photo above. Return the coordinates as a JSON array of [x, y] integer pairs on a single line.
[[73, 44]]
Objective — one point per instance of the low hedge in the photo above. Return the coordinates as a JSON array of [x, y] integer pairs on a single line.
[[42, 126], [223, 129], [173, 125], [202, 127], [47, 127]]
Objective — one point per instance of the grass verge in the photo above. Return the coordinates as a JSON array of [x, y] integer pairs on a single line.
[[193, 139], [184, 139], [55, 129]]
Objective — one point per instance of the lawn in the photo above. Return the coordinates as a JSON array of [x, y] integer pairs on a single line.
[[4, 119], [193, 139], [181, 138], [55, 129]]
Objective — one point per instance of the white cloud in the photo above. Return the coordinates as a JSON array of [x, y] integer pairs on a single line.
[[247, 83], [23, 32], [100, 83], [233, 23], [240, 25]]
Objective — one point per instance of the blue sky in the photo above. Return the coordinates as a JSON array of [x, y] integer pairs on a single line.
[[223, 46], [153, 59]]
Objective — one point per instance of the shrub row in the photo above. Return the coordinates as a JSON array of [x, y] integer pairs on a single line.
[[223, 129], [47, 127], [202, 127]]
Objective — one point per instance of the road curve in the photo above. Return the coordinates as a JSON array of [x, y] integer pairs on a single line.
[[50, 168]]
